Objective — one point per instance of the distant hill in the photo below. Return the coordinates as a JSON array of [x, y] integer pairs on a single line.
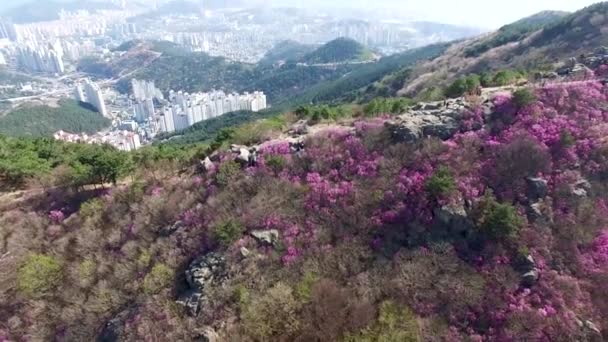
[[172, 67], [515, 31], [43, 10], [287, 50], [43, 121], [531, 43], [362, 80], [337, 51]]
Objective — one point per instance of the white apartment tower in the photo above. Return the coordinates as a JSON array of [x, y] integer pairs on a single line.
[[92, 95]]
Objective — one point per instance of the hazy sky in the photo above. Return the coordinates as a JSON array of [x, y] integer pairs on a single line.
[[481, 13]]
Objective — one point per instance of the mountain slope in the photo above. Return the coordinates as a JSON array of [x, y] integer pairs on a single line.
[[355, 84], [438, 224], [44, 121], [515, 31], [559, 39]]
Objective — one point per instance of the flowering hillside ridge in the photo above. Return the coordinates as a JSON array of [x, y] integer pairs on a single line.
[[486, 223]]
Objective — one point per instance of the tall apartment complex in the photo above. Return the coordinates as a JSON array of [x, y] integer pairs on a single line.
[[90, 93]]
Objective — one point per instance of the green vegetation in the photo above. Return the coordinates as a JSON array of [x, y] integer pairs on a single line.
[[43, 121], [227, 232], [287, 50], [339, 50], [466, 85], [441, 183], [39, 274], [159, 278], [363, 82], [515, 31], [304, 287], [257, 131], [54, 163], [498, 220], [387, 106], [8, 77], [271, 314], [584, 26], [523, 97], [86, 272], [193, 72], [470, 84], [275, 162], [394, 324], [227, 173]]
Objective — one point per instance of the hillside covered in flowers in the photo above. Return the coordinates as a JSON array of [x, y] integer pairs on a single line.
[[486, 223]]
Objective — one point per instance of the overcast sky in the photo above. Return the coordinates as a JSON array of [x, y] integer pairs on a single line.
[[480, 13]]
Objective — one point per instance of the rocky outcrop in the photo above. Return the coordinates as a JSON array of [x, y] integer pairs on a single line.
[[202, 273], [206, 165], [207, 334], [530, 273], [114, 328], [581, 188], [538, 188], [168, 230], [589, 328], [268, 237], [454, 221], [437, 119], [299, 128], [246, 156], [537, 191]]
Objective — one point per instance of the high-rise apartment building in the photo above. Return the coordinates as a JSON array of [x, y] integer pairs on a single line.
[[90, 93]]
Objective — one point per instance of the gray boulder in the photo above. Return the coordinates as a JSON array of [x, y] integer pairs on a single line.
[[269, 237], [243, 156], [581, 188], [530, 278], [245, 252], [404, 132], [114, 328], [414, 125], [207, 334], [530, 274], [207, 164], [443, 129], [537, 188], [191, 300], [299, 128], [453, 220], [168, 230], [534, 212], [592, 327], [203, 272]]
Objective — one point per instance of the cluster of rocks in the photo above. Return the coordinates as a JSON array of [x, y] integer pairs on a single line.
[[453, 221], [246, 156], [538, 189], [202, 273], [574, 68], [114, 328], [266, 237], [530, 273], [589, 327], [440, 119], [597, 58], [581, 188]]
